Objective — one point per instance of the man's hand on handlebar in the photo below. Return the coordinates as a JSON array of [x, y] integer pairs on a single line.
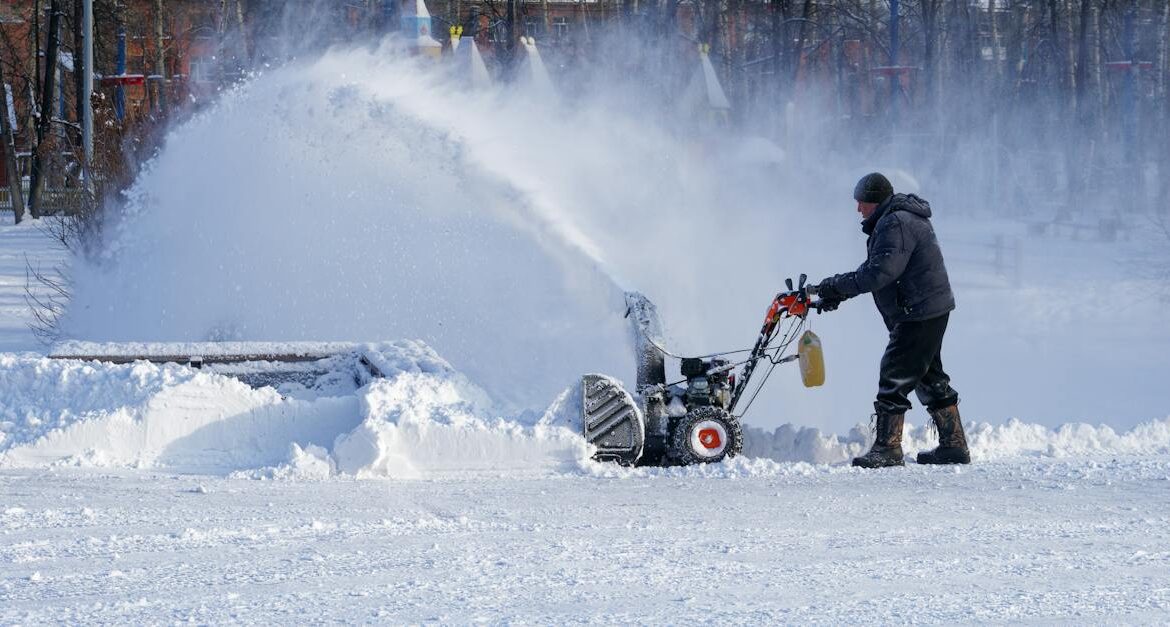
[[830, 297]]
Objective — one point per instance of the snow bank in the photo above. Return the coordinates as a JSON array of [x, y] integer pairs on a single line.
[[146, 415], [422, 424], [1016, 438], [790, 443], [422, 419]]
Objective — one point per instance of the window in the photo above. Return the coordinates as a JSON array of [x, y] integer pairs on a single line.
[[201, 70], [561, 27], [534, 28], [498, 32]]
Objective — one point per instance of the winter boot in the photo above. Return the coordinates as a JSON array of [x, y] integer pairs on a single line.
[[952, 442], [887, 448]]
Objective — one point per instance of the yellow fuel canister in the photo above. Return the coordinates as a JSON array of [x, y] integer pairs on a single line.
[[812, 360]]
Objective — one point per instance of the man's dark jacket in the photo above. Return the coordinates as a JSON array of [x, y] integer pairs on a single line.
[[904, 268]]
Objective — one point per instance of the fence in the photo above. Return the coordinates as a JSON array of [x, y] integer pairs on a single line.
[[53, 201], [1105, 229], [1001, 255]]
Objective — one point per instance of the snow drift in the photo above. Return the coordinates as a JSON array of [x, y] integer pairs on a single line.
[[986, 441], [423, 419]]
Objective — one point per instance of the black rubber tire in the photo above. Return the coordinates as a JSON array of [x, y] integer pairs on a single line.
[[680, 446]]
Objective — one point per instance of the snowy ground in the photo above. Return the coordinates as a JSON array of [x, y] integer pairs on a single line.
[[140, 493], [22, 246], [1029, 540]]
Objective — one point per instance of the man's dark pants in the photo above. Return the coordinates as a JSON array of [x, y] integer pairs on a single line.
[[913, 362]]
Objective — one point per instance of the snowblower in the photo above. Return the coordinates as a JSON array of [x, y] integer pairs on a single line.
[[693, 420]]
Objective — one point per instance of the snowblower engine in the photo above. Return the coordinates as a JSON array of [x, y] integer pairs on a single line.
[[690, 421]]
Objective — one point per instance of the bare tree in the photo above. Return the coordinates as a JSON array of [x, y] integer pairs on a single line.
[[160, 56], [15, 189], [930, 34], [45, 143], [993, 19], [1164, 58], [46, 291]]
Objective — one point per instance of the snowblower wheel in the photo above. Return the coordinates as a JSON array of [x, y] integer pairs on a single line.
[[705, 435]]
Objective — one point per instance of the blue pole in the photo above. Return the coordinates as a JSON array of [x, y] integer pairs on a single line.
[[120, 91]]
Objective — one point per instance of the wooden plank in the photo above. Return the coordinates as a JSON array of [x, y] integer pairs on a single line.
[[186, 360]]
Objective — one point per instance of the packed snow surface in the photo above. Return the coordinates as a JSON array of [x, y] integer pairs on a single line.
[[26, 249], [1051, 541]]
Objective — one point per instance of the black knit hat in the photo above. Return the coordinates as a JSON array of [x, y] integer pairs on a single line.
[[873, 187]]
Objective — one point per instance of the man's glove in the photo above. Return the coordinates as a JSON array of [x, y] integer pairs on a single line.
[[830, 297], [828, 292]]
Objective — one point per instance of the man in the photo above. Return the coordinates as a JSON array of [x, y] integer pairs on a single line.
[[904, 269]]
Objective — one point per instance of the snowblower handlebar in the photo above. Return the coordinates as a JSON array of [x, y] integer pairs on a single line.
[[795, 302]]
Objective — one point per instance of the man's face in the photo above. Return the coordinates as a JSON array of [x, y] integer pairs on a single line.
[[866, 209]]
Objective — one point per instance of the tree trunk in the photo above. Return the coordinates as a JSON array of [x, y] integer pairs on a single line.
[[15, 190], [36, 44], [1016, 51], [1070, 64], [1164, 59], [160, 57], [719, 41], [668, 20], [1163, 69], [78, 58], [34, 59], [930, 65], [1096, 45], [547, 20], [509, 47], [993, 18], [242, 32], [1054, 37], [1062, 53], [584, 22], [797, 54], [1082, 60], [1078, 145], [45, 122], [775, 39]]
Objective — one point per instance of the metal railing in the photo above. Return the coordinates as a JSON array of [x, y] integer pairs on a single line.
[[1001, 255], [53, 201]]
